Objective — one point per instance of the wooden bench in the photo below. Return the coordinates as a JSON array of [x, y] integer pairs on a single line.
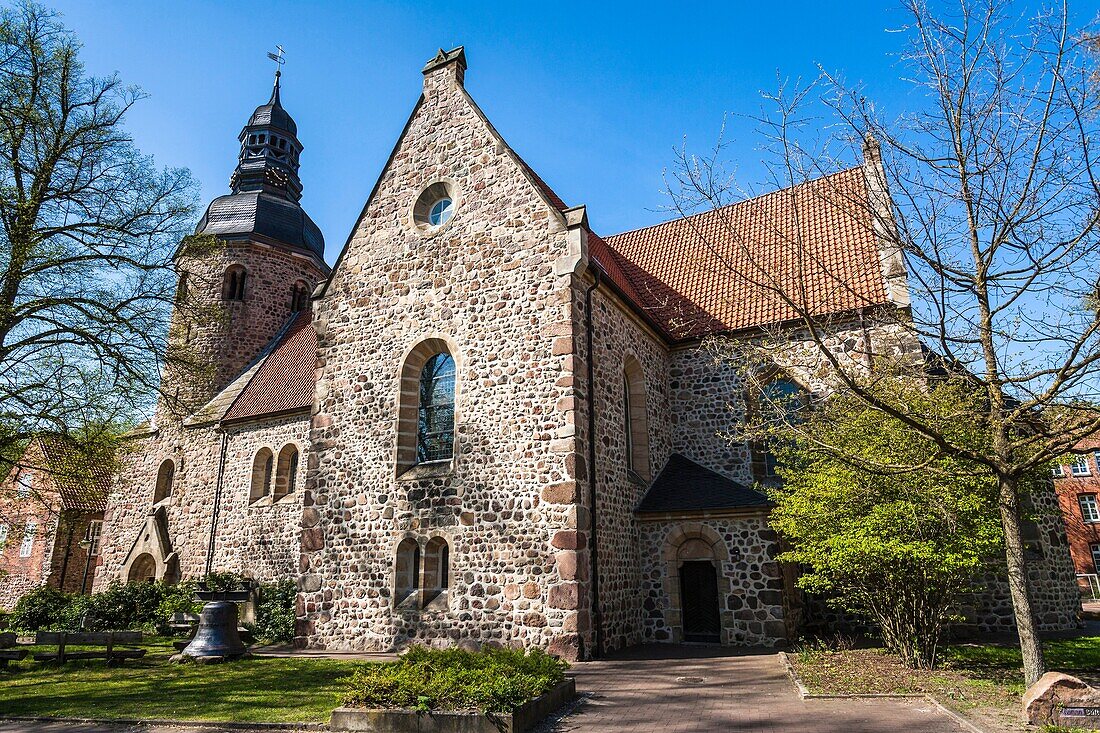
[[185, 624], [7, 653], [108, 639]]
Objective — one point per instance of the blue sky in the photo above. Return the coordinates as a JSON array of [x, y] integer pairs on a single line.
[[594, 96]]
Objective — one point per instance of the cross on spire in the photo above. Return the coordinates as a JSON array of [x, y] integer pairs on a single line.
[[278, 57]]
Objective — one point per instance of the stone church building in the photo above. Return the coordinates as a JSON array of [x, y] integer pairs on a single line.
[[487, 423]]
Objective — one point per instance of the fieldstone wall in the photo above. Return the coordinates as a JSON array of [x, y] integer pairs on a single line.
[[229, 334], [750, 581], [707, 400], [1055, 596], [258, 539], [485, 284], [617, 336]]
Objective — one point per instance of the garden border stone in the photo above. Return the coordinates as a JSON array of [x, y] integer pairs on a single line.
[[160, 722], [386, 720]]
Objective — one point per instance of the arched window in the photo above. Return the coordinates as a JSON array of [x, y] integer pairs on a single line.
[[636, 427], [234, 283], [299, 296], [437, 571], [286, 475], [181, 288], [407, 572], [426, 412], [165, 477], [262, 466], [781, 401], [435, 429]]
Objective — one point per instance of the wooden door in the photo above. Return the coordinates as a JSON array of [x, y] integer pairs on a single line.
[[699, 601]]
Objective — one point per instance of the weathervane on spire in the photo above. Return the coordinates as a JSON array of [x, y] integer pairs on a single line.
[[278, 59]]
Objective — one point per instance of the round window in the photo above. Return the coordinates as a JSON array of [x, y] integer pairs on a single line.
[[434, 207], [441, 212]]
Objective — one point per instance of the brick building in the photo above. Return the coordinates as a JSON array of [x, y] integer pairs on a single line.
[[487, 423], [1078, 486], [51, 519]]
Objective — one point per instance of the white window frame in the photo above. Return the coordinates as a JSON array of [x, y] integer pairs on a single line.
[[4, 529], [93, 535], [1095, 547], [1058, 471], [29, 531], [24, 484], [1090, 508], [1080, 465]]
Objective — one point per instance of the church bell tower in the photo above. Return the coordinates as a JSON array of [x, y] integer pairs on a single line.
[[234, 299]]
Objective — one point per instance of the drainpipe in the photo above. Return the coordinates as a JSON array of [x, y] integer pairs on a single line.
[[217, 502], [68, 552], [593, 550]]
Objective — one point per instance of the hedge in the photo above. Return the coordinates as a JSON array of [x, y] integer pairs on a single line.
[[491, 680]]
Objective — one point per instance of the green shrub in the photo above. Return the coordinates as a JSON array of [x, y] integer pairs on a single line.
[[221, 580], [492, 680], [144, 606], [275, 612], [127, 606], [42, 608]]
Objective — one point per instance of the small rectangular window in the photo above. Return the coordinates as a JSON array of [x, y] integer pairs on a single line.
[[1080, 466], [1057, 471], [95, 530], [1096, 558], [3, 535], [24, 484], [28, 539], [1090, 510]]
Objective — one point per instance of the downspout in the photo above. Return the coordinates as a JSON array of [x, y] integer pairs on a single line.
[[68, 551], [866, 340], [590, 398], [217, 502]]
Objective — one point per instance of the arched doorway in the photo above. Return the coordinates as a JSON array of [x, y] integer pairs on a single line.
[[699, 592], [143, 569]]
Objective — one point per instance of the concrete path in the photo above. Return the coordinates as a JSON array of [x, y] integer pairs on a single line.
[[699, 689], [677, 689]]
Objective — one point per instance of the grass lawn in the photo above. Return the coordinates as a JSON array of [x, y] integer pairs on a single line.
[[979, 679], [261, 689]]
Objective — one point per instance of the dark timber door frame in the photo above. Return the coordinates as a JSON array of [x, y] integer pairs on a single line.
[[699, 601]]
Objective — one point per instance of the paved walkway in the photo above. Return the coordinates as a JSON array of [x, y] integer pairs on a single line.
[[681, 689], [699, 689]]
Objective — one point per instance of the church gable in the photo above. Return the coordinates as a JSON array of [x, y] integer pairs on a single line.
[[449, 150]]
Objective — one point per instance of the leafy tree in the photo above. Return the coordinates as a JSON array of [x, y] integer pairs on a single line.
[[88, 230], [897, 547], [983, 197]]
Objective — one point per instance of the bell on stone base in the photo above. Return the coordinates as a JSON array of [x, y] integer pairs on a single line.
[[216, 637]]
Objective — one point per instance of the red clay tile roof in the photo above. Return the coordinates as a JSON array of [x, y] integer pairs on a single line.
[[81, 480], [717, 271], [1088, 444], [284, 381]]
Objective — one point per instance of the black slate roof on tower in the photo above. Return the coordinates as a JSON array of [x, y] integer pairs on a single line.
[[266, 190]]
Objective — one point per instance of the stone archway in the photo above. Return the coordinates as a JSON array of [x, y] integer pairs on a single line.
[[696, 584], [142, 569]]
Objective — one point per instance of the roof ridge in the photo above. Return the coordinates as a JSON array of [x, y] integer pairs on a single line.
[[734, 203]]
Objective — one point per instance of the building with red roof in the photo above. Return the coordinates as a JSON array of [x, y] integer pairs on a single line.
[[487, 423], [51, 518], [1077, 482]]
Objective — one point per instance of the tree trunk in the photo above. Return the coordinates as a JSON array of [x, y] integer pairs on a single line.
[[1026, 624]]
